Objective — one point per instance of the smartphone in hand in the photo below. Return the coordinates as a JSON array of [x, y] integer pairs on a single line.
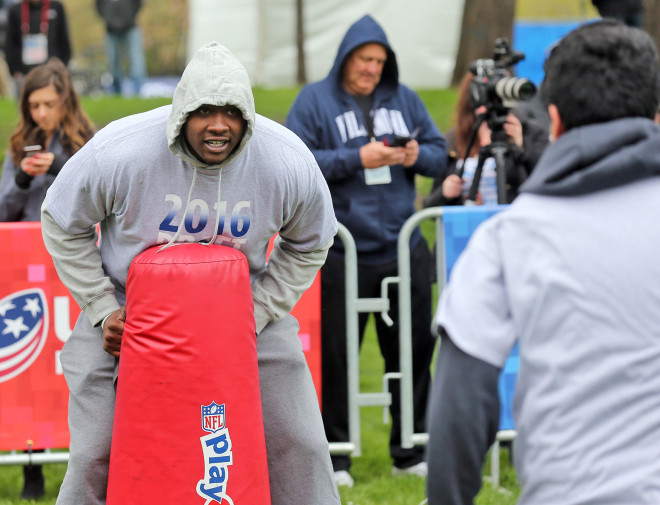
[[400, 141], [32, 150]]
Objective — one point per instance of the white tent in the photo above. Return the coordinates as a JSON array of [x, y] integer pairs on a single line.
[[262, 35]]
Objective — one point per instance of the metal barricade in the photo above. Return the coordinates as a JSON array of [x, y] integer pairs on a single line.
[[33, 458], [408, 437], [355, 305]]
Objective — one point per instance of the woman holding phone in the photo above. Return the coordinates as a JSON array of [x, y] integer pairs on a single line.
[[51, 129]]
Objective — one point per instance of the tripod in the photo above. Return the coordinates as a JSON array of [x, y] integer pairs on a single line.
[[498, 148]]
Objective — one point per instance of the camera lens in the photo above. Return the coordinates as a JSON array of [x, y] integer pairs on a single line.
[[514, 88]]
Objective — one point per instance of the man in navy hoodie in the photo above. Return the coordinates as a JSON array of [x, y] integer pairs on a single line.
[[351, 120]]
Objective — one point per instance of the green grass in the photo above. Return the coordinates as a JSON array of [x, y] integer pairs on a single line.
[[374, 483]]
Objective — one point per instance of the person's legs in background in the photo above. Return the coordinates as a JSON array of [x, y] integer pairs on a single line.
[[423, 342], [334, 379], [410, 460], [137, 65], [33, 481], [334, 382], [112, 47], [333, 355]]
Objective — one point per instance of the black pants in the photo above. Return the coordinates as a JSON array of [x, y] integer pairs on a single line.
[[334, 404]]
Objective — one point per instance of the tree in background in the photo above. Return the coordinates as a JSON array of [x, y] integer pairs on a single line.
[[483, 22], [652, 20], [301, 74]]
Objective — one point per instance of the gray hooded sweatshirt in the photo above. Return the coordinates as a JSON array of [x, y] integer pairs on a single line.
[[570, 270], [138, 179]]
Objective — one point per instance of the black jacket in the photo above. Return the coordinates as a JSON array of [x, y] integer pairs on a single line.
[[617, 7], [59, 44], [118, 15]]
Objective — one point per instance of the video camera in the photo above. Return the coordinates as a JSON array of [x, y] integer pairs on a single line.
[[493, 85]]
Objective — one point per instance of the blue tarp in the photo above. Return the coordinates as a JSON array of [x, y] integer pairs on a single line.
[[534, 38]]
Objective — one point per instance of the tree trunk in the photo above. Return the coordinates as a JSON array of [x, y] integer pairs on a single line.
[[300, 43], [483, 22], [652, 20]]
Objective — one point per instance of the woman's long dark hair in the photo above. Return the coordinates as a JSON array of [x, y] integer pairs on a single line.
[[74, 130], [465, 119]]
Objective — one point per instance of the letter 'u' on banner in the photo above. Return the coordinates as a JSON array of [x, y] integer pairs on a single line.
[[188, 424]]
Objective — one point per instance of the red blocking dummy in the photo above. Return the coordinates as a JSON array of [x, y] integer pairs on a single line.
[[188, 425]]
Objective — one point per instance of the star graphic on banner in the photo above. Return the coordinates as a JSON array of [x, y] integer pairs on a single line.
[[14, 326], [32, 305], [4, 307]]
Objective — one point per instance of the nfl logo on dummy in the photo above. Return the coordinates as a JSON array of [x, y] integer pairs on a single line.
[[217, 455], [213, 417]]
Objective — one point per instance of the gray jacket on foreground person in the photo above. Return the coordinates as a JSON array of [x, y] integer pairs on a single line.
[[142, 181], [570, 270]]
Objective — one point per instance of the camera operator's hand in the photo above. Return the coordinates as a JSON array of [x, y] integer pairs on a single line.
[[113, 329], [452, 187], [37, 164], [412, 152], [513, 128], [377, 154], [483, 134]]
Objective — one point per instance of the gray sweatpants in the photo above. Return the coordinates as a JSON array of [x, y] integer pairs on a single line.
[[298, 457]]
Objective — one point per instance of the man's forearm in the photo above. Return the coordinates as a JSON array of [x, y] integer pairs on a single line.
[[78, 264], [289, 274]]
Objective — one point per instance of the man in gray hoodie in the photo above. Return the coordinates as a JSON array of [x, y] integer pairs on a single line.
[[144, 178]]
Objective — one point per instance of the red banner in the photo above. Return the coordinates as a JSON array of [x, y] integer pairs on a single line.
[[36, 317]]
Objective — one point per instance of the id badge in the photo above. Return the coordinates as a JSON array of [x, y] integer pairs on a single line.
[[380, 175], [35, 49]]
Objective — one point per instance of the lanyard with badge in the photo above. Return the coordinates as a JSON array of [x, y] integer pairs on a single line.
[[35, 45]]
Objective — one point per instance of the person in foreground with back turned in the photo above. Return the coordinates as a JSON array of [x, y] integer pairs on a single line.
[[206, 169], [570, 270]]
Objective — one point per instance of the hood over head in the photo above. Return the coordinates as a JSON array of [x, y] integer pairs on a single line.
[[213, 77], [597, 157], [364, 31]]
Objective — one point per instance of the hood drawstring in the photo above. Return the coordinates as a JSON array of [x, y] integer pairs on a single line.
[[172, 241], [217, 212]]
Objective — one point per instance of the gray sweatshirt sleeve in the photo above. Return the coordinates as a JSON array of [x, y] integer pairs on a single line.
[[288, 275], [463, 421], [78, 263]]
